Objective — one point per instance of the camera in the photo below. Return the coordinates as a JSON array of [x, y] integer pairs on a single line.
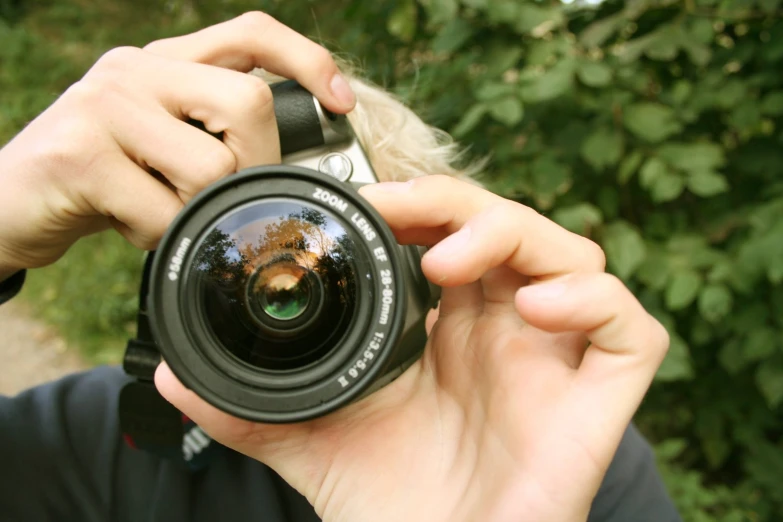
[[279, 294]]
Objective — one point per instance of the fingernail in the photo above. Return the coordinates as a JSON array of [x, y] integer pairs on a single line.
[[396, 187], [342, 91], [542, 291], [455, 244]]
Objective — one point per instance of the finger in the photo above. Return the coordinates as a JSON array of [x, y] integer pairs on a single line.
[[499, 286], [189, 158], [627, 344], [141, 207], [220, 425], [467, 300], [243, 111], [258, 40], [485, 231], [235, 104], [431, 319]]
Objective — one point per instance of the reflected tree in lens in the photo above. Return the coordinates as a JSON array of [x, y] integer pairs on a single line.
[[300, 237], [262, 272], [220, 259]]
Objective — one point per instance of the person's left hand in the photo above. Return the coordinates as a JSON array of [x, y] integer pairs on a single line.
[[511, 414]]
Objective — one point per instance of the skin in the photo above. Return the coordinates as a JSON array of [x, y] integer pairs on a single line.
[[535, 363]]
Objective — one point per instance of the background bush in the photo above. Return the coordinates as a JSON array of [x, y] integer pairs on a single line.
[[652, 126]]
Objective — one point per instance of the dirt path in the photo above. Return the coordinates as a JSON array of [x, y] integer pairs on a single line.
[[30, 352]]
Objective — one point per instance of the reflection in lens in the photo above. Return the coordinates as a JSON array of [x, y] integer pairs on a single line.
[[277, 282], [283, 296]]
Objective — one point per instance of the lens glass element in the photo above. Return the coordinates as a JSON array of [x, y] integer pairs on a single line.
[[283, 291], [276, 282]]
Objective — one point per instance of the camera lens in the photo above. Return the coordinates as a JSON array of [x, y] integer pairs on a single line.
[[276, 281], [279, 294], [280, 291]]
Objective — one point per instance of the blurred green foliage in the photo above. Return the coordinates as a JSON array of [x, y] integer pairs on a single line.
[[652, 126]]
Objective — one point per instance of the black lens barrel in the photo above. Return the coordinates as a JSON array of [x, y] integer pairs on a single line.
[[209, 319]]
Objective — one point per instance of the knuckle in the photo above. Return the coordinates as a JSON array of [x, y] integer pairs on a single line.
[[217, 164], [435, 182], [156, 47], [254, 22], [613, 286], [255, 94], [595, 254], [96, 90], [660, 338], [118, 58], [321, 58], [66, 147]]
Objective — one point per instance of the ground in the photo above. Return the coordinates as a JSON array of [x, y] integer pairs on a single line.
[[30, 352]]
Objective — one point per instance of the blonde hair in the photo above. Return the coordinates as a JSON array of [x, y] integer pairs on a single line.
[[399, 144]]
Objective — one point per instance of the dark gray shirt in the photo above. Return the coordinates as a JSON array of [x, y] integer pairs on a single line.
[[62, 458]]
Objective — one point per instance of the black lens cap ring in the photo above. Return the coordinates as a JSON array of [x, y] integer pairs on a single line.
[[259, 394]]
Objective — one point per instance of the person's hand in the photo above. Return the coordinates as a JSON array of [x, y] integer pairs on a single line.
[[115, 150], [530, 376]]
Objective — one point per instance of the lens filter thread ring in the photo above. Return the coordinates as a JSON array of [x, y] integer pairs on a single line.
[[296, 395]]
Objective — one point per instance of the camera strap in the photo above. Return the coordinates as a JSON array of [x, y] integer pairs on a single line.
[[149, 422]]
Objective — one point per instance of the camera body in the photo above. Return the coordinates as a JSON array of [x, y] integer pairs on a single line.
[[279, 294]]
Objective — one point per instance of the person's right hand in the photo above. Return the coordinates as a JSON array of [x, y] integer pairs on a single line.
[[115, 150]]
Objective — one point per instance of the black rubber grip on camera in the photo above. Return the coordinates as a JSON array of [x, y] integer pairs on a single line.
[[297, 118]]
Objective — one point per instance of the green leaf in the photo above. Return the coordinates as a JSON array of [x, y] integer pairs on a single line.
[[731, 357], [769, 379], [453, 36], [667, 187], [629, 166], [651, 172], [470, 119], [601, 30], [441, 11], [706, 183], [508, 110], [699, 53], [552, 84], [494, 90], [502, 58], [652, 122], [580, 218], [760, 344], [550, 177], [402, 21], [665, 46], [670, 449], [676, 365], [503, 11], [631, 51], [594, 74], [693, 156], [681, 91], [663, 184], [654, 272], [682, 289], [772, 104], [701, 29], [602, 149], [715, 302], [624, 247], [533, 19]]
